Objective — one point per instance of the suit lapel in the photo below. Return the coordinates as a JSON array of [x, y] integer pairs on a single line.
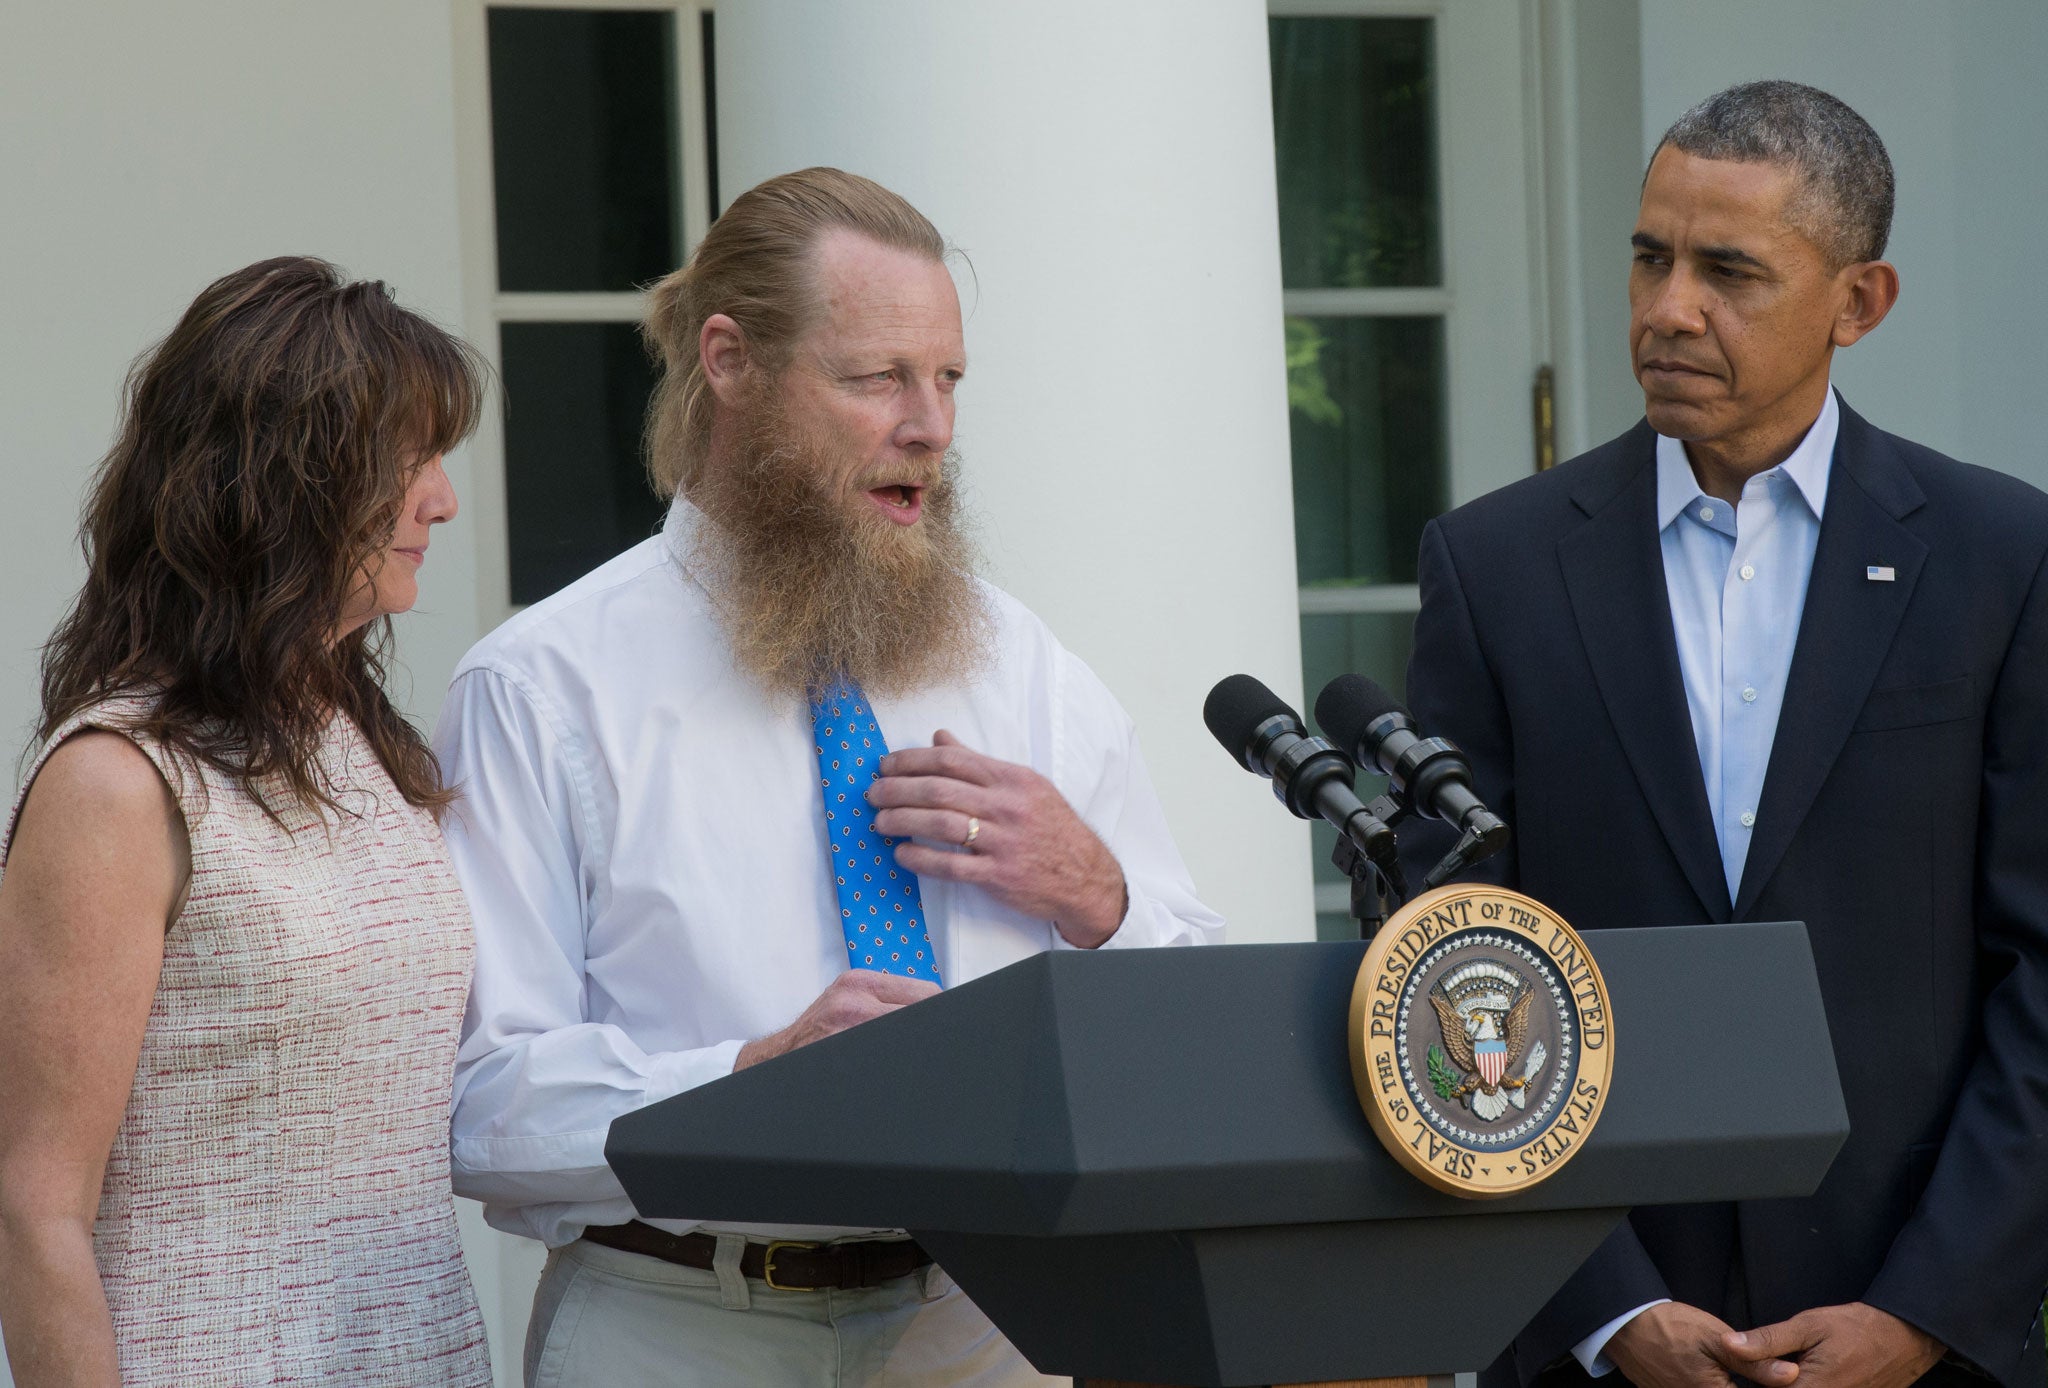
[[1844, 635], [1614, 572]]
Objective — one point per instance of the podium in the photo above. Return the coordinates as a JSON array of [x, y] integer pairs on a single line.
[[1150, 1166]]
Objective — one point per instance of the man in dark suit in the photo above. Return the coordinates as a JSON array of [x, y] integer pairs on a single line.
[[1757, 659]]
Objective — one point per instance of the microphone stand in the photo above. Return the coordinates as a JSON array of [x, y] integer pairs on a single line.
[[1485, 834], [1378, 886], [1377, 889]]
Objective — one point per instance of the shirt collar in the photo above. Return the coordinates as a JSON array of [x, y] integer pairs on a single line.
[[681, 525], [1808, 467]]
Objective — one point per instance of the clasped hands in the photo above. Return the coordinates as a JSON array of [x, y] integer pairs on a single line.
[[1029, 851], [1852, 1346]]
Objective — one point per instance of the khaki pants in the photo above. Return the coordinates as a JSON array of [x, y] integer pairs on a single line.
[[604, 1318]]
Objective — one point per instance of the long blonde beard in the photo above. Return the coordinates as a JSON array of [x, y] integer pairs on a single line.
[[809, 588]]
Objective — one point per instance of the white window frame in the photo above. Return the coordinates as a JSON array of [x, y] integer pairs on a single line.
[[1488, 167], [486, 308]]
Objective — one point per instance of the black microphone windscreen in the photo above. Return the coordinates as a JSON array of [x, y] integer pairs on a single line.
[[1236, 707], [1348, 705]]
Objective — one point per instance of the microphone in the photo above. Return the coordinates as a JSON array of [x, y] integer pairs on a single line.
[[1310, 777], [1429, 772]]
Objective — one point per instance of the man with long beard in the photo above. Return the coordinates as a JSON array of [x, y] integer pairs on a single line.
[[689, 845]]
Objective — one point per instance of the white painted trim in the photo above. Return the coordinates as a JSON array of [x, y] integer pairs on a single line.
[[1536, 97], [1563, 325], [1378, 597], [626, 307], [1581, 191], [1350, 9], [582, 4], [1367, 303], [693, 162], [485, 309], [484, 504], [1491, 350]]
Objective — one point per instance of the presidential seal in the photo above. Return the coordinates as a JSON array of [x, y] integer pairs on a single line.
[[1481, 1040]]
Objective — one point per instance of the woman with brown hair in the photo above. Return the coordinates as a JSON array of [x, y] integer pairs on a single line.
[[233, 957]]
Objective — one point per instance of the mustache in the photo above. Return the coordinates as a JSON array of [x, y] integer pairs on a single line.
[[924, 475]]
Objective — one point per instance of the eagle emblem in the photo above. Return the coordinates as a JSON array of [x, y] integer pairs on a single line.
[[1507, 1084], [1483, 1011]]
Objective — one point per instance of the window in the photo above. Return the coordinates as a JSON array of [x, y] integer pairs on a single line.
[[1361, 263], [598, 123], [1407, 232]]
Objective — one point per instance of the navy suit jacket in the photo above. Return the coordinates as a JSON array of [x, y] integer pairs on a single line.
[[1904, 818]]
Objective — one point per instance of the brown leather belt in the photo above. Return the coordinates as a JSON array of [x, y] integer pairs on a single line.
[[784, 1265]]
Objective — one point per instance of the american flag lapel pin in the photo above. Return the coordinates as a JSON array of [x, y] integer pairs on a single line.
[[1880, 573]]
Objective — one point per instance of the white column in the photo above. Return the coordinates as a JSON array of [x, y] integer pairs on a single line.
[[1107, 166]]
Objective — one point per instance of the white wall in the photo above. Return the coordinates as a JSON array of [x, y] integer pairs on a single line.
[[1956, 94], [149, 149], [1108, 166]]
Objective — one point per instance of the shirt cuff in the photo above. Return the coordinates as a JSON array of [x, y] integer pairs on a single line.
[[1591, 1352], [1122, 937], [677, 1071]]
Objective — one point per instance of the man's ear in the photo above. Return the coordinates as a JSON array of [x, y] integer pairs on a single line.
[[1873, 287], [722, 348]]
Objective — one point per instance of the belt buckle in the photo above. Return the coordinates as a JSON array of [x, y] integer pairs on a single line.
[[768, 1264]]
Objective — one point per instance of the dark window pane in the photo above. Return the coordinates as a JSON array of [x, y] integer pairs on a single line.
[[1354, 122], [1366, 419], [582, 147], [575, 490], [1373, 644], [711, 113]]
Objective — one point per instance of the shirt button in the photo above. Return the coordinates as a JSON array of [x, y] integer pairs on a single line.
[[1749, 819], [1748, 572], [1706, 513], [1749, 696]]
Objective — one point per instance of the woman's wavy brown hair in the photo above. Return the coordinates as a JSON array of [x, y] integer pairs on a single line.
[[265, 449]]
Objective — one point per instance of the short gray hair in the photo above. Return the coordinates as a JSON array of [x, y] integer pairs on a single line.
[[1844, 202]]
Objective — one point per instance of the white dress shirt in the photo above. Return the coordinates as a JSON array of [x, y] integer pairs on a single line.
[[642, 839], [1736, 578]]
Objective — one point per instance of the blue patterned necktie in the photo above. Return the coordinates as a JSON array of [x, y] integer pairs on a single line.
[[879, 906]]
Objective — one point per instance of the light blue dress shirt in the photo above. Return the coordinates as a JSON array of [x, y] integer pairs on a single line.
[[1736, 577]]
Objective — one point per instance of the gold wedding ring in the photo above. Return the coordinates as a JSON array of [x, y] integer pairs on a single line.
[[973, 832]]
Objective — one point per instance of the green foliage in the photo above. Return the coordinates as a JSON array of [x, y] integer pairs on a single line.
[[1442, 1078], [1307, 392], [1385, 243]]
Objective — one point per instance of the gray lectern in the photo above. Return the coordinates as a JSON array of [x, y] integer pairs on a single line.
[[1151, 1165]]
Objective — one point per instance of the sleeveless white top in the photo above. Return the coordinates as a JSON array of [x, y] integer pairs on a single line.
[[276, 1207]]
